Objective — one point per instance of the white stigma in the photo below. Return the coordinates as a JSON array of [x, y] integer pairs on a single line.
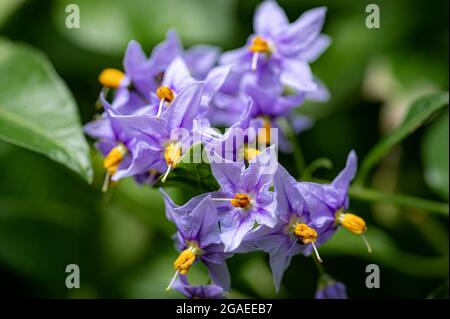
[[316, 252], [255, 58], [160, 108], [106, 182], [369, 248], [172, 281], [163, 179]]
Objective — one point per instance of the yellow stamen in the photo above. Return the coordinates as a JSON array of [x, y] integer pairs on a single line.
[[172, 155], [250, 153], [305, 233], [111, 78], [184, 261], [354, 224], [241, 200], [114, 158], [264, 133], [259, 45], [165, 93], [351, 222]]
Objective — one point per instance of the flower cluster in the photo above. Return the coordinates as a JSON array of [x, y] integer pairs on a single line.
[[158, 104]]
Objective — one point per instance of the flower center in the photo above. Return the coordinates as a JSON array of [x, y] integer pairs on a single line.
[[241, 200], [111, 78], [305, 233], [260, 45], [165, 93], [114, 158]]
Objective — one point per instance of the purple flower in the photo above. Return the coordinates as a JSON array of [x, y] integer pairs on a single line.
[[200, 59], [178, 76], [198, 238], [139, 144], [330, 289], [244, 200], [201, 292], [279, 47], [331, 201], [306, 218]]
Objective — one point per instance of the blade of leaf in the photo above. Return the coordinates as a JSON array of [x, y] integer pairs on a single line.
[[421, 110], [435, 156], [37, 111]]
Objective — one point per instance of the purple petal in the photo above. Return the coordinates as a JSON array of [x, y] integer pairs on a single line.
[[279, 262], [269, 18], [134, 57], [259, 174], [177, 75], [219, 274], [201, 59], [315, 49], [166, 51], [300, 34], [228, 175], [214, 81], [342, 182], [288, 196], [234, 226], [297, 75], [184, 108]]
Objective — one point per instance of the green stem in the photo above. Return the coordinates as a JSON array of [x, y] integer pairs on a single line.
[[318, 266], [299, 158], [370, 195]]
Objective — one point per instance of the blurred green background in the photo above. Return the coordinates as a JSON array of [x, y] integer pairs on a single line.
[[50, 217]]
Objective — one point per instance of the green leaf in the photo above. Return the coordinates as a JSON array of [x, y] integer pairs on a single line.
[[420, 111], [385, 252], [7, 7], [106, 26], [192, 173], [37, 111], [435, 156]]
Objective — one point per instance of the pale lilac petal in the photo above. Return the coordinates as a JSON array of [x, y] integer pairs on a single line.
[[259, 174], [234, 227], [144, 157], [228, 175], [297, 75], [342, 182], [219, 274], [177, 75], [269, 18], [320, 94], [313, 51], [166, 51], [279, 262], [213, 82], [184, 108], [201, 59], [134, 57], [303, 31], [288, 196], [235, 56]]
